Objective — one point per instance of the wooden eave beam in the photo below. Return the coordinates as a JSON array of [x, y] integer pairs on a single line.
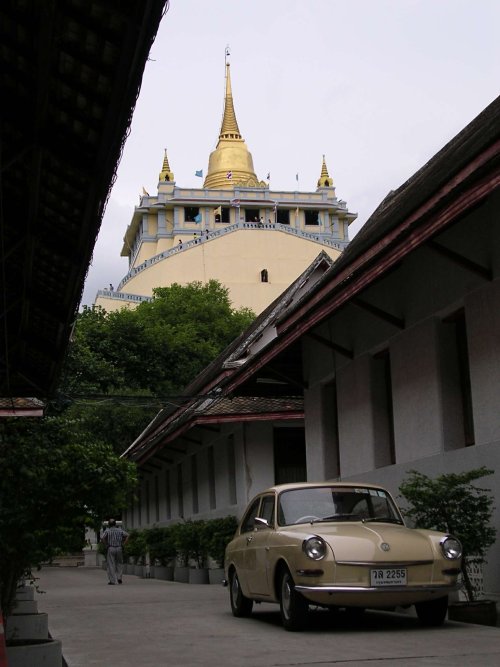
[[206, 427], [163, 459], [192, 440], [254, 417], [283, 376], [153, 465], [378, 312], [460, 260], [331, 345]]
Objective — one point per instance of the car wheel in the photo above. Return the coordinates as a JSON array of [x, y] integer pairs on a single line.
[[432, 612], [293, 607], [241, 606]]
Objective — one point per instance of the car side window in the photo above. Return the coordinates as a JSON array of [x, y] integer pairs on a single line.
[[248, 524], [267, 509]]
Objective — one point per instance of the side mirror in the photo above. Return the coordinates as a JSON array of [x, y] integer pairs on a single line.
[[261, 523]]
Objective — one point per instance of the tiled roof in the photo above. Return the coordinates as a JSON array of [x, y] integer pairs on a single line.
[[18, 407], [70, 74], [255, 405]]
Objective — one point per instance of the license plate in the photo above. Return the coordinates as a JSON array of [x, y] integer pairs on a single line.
[[388, 576]]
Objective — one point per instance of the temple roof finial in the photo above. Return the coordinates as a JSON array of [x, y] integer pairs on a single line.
[[324, 180], [165, 173]]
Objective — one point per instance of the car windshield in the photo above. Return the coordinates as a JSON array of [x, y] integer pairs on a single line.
[[335, 503]]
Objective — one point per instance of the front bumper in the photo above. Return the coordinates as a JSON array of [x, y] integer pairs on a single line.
[[372, 597]]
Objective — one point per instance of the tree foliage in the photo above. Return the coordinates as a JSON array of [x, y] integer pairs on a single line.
[[134, 361], [451, 503], [55, 482], [159, 347]]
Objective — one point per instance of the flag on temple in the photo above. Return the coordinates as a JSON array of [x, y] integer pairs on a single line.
[[218, 210], [197, 218], [297, 177], [144, 191], [235, 202], [268, 175], [199, 173]]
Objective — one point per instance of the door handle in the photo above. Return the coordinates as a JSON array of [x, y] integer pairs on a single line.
[[249, 539]]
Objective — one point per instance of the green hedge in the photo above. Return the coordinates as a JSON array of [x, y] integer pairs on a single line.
[[191, 540], [136, 546]]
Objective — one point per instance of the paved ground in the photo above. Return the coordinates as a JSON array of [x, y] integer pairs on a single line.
[[147, 623]]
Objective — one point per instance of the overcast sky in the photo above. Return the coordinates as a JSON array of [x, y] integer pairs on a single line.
[[378, 86]]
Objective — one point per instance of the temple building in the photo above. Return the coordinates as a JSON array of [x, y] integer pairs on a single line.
[[254, 240]]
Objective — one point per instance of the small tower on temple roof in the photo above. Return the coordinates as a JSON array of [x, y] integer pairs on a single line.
[[165, 173], [324, 180]]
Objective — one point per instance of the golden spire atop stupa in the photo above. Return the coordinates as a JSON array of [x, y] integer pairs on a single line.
[[165, 173], [231, 162], [229, 128], [324, 180]]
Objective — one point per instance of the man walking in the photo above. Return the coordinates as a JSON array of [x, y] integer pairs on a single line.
[[114, 538]]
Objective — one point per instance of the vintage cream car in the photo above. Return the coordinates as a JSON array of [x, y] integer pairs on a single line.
[[337, 545]]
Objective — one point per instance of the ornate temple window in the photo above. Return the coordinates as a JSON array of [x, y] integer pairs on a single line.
[[283, 216], [251, 215], [191, 213], [312, 217]]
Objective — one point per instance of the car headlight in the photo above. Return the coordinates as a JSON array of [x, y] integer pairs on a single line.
[[314, 547], [451, 548]]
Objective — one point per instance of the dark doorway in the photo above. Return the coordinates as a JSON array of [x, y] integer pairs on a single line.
[[283, 216], [289, 455], [311, 217], [251, 215]]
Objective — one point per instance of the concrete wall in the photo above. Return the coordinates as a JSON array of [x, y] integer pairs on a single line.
[[427, 409]]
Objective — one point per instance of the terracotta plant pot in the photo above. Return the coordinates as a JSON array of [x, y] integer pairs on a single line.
[[481, 612]]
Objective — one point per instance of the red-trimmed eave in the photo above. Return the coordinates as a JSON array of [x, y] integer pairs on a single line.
[[219, 419], [180, 410], [381, 257], [21, 412]]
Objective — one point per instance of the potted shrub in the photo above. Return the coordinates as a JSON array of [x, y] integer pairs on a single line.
[[190, 543], [136, 549], [196, 543], [181, 565], [453, 503], [219, 533], [162, 552]]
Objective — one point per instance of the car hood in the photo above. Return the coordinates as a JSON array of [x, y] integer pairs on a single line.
[[364, 540]]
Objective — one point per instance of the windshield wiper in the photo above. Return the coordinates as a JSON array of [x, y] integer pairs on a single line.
[[382, 519], [341, 517]]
